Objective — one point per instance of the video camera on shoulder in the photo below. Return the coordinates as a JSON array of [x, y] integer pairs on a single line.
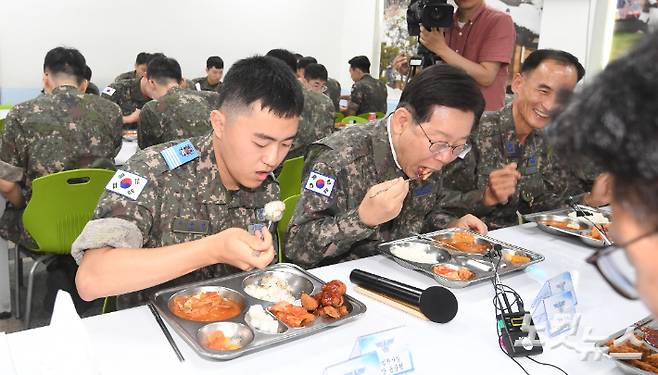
[[431, 14]]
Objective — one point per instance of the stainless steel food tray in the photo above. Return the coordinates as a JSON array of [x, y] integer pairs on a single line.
[[191, 331], [563, 213], [623, 365], [461, 259]]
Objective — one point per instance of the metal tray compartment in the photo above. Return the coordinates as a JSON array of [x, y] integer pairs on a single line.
[[237, 329], [623, 365], [562, 214], [480, 265]]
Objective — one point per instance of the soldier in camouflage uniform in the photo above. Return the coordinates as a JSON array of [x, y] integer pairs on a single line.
[[213, 80], [368, 94], [181, 212], [130, 95], [140, 68], [64, 129], [174, 113], [510, 168], [317, 120], [333, 92], [354, 194]]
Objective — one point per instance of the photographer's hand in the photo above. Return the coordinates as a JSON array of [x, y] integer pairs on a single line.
[[434, 40]]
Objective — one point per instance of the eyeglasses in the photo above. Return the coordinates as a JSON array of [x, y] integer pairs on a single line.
[[439, 147], [616, 269]]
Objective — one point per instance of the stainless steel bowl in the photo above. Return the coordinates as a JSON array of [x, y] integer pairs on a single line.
[[440, 240], [236, 333], [224, 292]]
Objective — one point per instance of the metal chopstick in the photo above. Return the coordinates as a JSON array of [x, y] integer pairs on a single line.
[[166, 332]]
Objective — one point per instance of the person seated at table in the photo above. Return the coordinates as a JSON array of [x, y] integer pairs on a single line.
[[613, 123], [174, 113], [357, 189], [510, 168], [130, 94], [302, 64], [141, 61], [213, 79], [62, 130], [317, 119], [91, 88], [368, 93], [183, 211]]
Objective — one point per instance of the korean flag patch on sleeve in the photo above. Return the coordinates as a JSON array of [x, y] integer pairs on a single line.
[[109, 91], [127, 184], [320, 184]]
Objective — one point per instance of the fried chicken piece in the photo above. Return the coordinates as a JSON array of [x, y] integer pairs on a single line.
[[308, 302], [331, 312], [343, 311]]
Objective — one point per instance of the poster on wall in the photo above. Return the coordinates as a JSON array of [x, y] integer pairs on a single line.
[[526, 15], [633, 19]]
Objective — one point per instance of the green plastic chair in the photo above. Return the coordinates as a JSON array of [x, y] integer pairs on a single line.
[[339, 117], [2, 121], [282, 225], [61, 205], [290, 178], [355, 120]]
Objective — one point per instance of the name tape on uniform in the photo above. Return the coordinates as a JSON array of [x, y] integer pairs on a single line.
[[319, 183], [109, 91], [179, 154], [127, 184]]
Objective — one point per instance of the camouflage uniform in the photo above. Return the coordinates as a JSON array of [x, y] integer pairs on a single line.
[[315, 123], [177, 114], [127, 94], [127, 75], [542, 185], [333, 92], [176, 206], [325, 230], [204, 85], [368, 95], [52, 133]]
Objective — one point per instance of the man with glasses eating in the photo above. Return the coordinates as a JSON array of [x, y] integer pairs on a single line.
[[613, 122], [374, 183], [511, 168]]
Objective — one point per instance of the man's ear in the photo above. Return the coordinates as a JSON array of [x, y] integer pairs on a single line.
[[218, 122]]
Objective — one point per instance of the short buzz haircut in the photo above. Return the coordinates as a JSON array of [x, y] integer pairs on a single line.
[[565, 58], [360, 62], [142, 58], [215, 62], [316, 71], [612, 122], [65, 61], [262, 80], [163, 70], [442, 85], [286, 56], [304, 61]]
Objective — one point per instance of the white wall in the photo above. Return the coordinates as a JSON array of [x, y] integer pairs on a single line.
[[110, 33], [581, 27]]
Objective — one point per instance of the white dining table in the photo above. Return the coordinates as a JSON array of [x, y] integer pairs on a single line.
[[130, 341]]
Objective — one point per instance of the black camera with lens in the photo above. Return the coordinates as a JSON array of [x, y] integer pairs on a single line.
[[431, 14]]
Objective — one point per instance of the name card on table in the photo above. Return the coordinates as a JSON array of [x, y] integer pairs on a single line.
[[554, 308]]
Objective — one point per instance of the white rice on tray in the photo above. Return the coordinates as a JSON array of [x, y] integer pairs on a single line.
[[414, 252], [261, 320], [271, 288]]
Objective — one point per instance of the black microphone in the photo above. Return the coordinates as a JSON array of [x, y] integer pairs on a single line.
[[437, 303]]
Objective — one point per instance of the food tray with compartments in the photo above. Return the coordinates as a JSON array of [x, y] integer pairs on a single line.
[[559, 222], [640, 329], [457, 257], [238, 330]]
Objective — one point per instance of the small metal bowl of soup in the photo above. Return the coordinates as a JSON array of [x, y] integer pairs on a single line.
[[207, 304]]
